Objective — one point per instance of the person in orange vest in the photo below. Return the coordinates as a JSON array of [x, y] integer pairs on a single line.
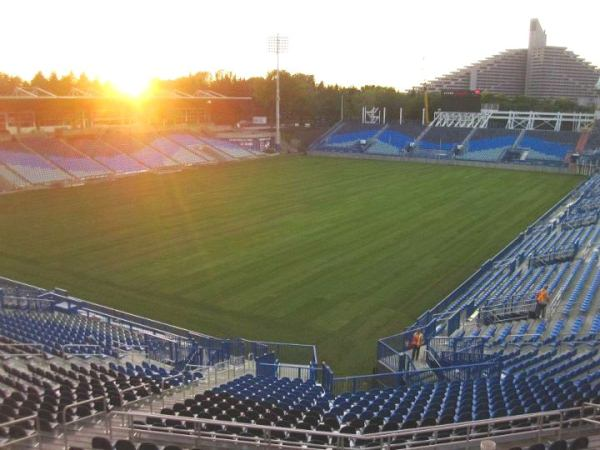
[[416, 343], [541, 301]]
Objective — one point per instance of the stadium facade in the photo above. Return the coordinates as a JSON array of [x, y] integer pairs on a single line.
[[540, 71]]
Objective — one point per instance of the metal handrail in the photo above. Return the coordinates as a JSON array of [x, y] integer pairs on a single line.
[[202, 369], [67, 353], [70, 406], [290, 344], [179, 375], [430, 352], [106, 411], [523, 335], [387, 436], [25, 298], [10, 423], [104, 398]]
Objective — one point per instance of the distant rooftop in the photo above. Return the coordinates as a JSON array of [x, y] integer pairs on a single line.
[[540, 71]]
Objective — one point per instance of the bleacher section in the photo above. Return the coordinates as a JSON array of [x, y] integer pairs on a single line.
[[401, 136], [28, 165], [482, 144], [348, 137], [296, 407], [172, 149], [107, 155], [130, 145], [63, 334], [195, 144], [62, 365], [393, 139], [489, 144], [42, 160], [66, 157], [229, 148], [548, 145]]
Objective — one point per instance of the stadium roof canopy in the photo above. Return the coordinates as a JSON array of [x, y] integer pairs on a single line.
[[36, 93], [32, 106]]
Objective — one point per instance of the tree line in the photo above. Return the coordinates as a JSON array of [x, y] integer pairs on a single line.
[[303, 99]]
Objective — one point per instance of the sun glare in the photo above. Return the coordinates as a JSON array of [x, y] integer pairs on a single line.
[[131, 85]]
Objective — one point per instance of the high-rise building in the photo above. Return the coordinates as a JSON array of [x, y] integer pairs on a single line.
[[538, 71]]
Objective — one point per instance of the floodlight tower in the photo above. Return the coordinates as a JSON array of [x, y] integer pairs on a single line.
[[277, 44]]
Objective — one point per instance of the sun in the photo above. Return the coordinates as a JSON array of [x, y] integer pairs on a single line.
[[131, 84]]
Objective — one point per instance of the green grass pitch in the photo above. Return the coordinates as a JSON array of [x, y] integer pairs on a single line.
[[301, 249]]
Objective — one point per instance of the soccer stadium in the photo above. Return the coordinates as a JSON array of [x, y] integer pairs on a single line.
[[184, 269]]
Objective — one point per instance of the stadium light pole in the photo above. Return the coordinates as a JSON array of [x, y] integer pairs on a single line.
[[278, 45]]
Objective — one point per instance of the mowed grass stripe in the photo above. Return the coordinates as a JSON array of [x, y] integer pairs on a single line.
[[316, 250]]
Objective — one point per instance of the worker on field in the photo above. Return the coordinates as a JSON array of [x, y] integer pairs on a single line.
[[541, 301], [416, 343]]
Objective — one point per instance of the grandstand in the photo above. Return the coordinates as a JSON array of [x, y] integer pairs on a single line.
[[77, 374], [548, 144], [29, 166], [524, 141], [145, 154], [107, 155], [66, 157], [35, 160]]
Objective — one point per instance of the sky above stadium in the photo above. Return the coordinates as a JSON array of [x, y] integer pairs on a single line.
[[393, 43]]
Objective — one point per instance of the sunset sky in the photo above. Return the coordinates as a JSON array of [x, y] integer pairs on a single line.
[[394, 43]]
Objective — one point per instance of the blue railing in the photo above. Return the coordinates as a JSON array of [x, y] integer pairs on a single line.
[[392, 359], [458, 351], [284, 351], [25, 303], [292, 371]]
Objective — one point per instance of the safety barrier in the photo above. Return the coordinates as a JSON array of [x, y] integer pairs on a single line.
[[284, 351], [104, 401], [35, 433], [193, 432], [457, 351], [24, 303], [291, 371]]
